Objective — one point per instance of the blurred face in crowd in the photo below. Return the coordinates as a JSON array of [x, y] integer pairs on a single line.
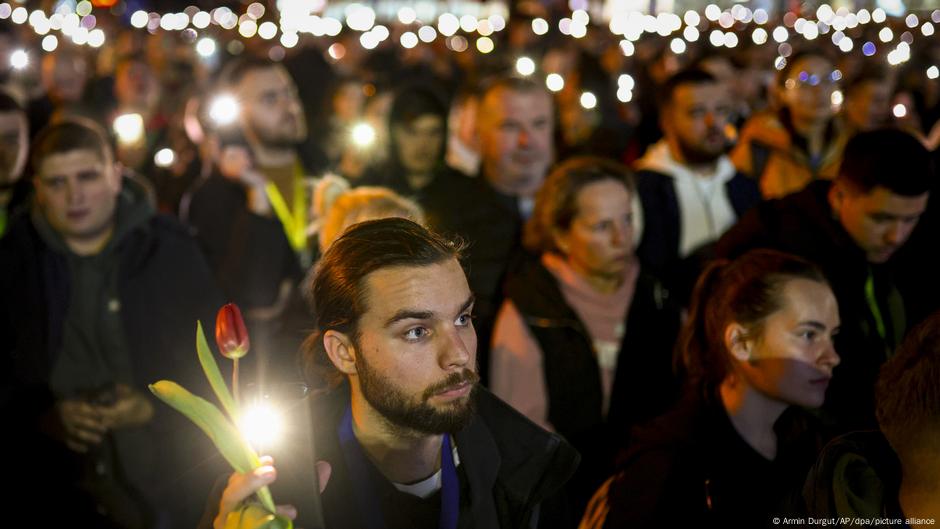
[[807, 90], [879, 222], [14, 144], [868, 105], [271, 109], [420, 143], [694, 121], [64, 75], [516, 144], [77, 191], [349, 100], [135, 85], [415, 358], [791, 357], [599, 242]]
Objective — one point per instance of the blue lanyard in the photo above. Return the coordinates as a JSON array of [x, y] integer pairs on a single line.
[[364, 479]]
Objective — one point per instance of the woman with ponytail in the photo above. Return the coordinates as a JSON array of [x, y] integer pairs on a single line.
[[756, 351]]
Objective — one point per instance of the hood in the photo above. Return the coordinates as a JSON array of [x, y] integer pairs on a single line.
[[659, 158]]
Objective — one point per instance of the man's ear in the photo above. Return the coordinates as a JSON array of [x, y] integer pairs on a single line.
[[737, 342], [837, 195], [341, 351]]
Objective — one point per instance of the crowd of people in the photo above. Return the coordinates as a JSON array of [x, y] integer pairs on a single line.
[[714, 304]]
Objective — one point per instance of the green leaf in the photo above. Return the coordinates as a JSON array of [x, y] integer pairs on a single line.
[[213, 374], [220, 430], [253, 516]]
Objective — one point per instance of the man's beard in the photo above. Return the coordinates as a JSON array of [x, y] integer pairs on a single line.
[[402, 411], [694, 155]]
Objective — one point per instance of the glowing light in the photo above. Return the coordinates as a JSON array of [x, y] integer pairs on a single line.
[[448, 24], [360, 17], [864, 17], [485, 44], [927, 29], [484, 28], [899, 110], [525, 66], [262, 425], [205, 47], [677, 46], [164, 158], [468, 23], [869, 48], [624, 95], [368, 40], [627, 48], [810, 32], [885, 35], [836, 98], [878, 15], [5, 11], [626, 81], [96, 38], [712, 12], [289, 40], [761, 16], [363, 135], [539, 26], [578, 31], [933, 72], [759, 36], [337, 51], [224, 109], [129, 128], [731, 39], [50, 43], [846, 44], [554, 82], [407, 15], [691, 18], [588, 100], [726, 20], [581, 17], [201, 20], [690, 34], [19, 59], [248, 28], [19, 15], [427, 34], [717, 38], [497, 22], [911, 21], [267, 30], [459, 44], [408, 40], [255, 10], [381, 32], [781, 34]]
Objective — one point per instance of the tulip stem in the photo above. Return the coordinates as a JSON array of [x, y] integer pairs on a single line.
[[235, 391]]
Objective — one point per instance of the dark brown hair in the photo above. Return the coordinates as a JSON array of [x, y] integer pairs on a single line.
[[746, 291], [70, 134], [337, 293]]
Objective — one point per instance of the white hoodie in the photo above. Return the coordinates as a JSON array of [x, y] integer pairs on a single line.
[[705, 212]]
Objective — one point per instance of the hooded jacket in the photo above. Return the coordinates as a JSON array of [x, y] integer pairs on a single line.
[[156, 286]]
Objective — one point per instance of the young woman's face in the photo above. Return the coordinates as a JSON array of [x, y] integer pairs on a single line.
[[793, 357]]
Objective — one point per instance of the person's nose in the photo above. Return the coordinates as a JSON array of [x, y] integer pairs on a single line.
[[896, 233], [75, 193], [455, 352], [829, 358]]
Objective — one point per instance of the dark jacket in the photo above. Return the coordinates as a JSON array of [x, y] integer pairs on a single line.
[[803, 224], [510, 466], [491, 224], [857, 475], [644, 385], [164, 286], [659, 249], [691, 468]]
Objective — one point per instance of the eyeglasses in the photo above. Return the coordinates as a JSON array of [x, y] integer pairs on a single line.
[[810, 79]]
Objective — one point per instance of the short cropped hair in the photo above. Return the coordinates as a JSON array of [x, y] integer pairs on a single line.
[[67, 135], [889, 158], [907, 393], [689, 76]]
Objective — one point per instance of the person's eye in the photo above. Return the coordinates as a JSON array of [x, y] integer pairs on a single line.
[[464, 320], [416, 334], [809, 335], [601, 226]]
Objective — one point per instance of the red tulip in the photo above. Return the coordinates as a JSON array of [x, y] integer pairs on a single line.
[[230, 332]]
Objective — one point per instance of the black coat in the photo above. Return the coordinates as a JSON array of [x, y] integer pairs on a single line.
[[691, 468], [510, 465], [644, 385], [803, 224], [164, 286]]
